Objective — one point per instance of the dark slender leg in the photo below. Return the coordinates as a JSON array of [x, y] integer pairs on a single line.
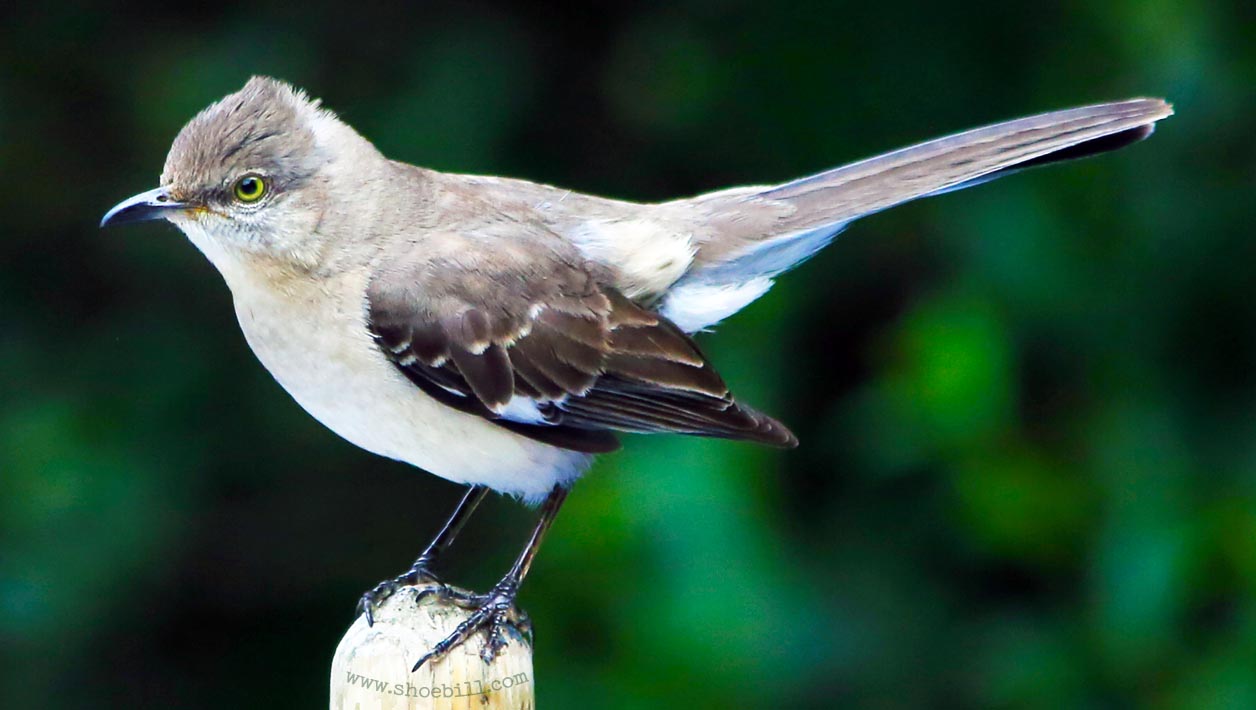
[[457, 520], [492, 610], [419, 570]]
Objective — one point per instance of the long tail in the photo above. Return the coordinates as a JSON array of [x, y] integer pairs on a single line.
[[753, 234]]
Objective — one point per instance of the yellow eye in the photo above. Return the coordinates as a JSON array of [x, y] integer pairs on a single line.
[[250, 188]]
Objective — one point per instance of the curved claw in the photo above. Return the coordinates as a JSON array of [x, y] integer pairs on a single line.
[[371, 600], [492, 612]]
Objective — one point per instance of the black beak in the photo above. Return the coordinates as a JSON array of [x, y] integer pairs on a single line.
[[154, 204]]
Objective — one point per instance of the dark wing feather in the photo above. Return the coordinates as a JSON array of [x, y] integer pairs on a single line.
[[582, 360]]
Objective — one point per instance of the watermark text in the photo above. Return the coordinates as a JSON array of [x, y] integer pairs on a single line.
[[466, 688]]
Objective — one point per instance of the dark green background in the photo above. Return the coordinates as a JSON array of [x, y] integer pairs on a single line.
[[1028, 411]]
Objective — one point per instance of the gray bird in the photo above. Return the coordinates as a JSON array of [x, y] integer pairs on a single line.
[[499, 333]]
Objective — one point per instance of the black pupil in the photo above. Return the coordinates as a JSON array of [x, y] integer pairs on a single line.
[[249, 187]]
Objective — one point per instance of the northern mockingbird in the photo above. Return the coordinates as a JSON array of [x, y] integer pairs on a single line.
[[499, 333]]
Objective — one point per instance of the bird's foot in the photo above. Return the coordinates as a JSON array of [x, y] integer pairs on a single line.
[[494, 612], [371, 601]]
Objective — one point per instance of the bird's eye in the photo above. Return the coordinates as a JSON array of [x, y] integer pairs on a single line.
[[250, 188]]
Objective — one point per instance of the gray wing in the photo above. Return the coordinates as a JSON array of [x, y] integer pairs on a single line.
[[536, 344]]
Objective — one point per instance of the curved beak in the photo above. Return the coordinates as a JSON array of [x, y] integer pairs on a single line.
[[154, 204]]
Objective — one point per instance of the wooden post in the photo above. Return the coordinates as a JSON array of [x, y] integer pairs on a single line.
[[371, 669]]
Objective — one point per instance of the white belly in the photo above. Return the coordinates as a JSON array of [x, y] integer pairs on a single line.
[[318, 348]]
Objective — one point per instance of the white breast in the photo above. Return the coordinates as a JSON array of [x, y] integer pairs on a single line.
[[313, 339]]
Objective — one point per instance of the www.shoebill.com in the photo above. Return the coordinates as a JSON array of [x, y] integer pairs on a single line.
[[464, 689]]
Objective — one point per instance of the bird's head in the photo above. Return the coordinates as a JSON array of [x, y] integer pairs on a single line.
[[249, 176]]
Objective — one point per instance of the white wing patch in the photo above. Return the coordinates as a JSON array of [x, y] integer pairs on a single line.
[[694, 305], [711, 293], [648, 256], [523, 410]]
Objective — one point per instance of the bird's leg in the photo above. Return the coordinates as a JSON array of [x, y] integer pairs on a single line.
[[495, 611], [419, 571]]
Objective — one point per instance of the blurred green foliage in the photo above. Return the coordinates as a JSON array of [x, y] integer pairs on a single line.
[[1028, 471]]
